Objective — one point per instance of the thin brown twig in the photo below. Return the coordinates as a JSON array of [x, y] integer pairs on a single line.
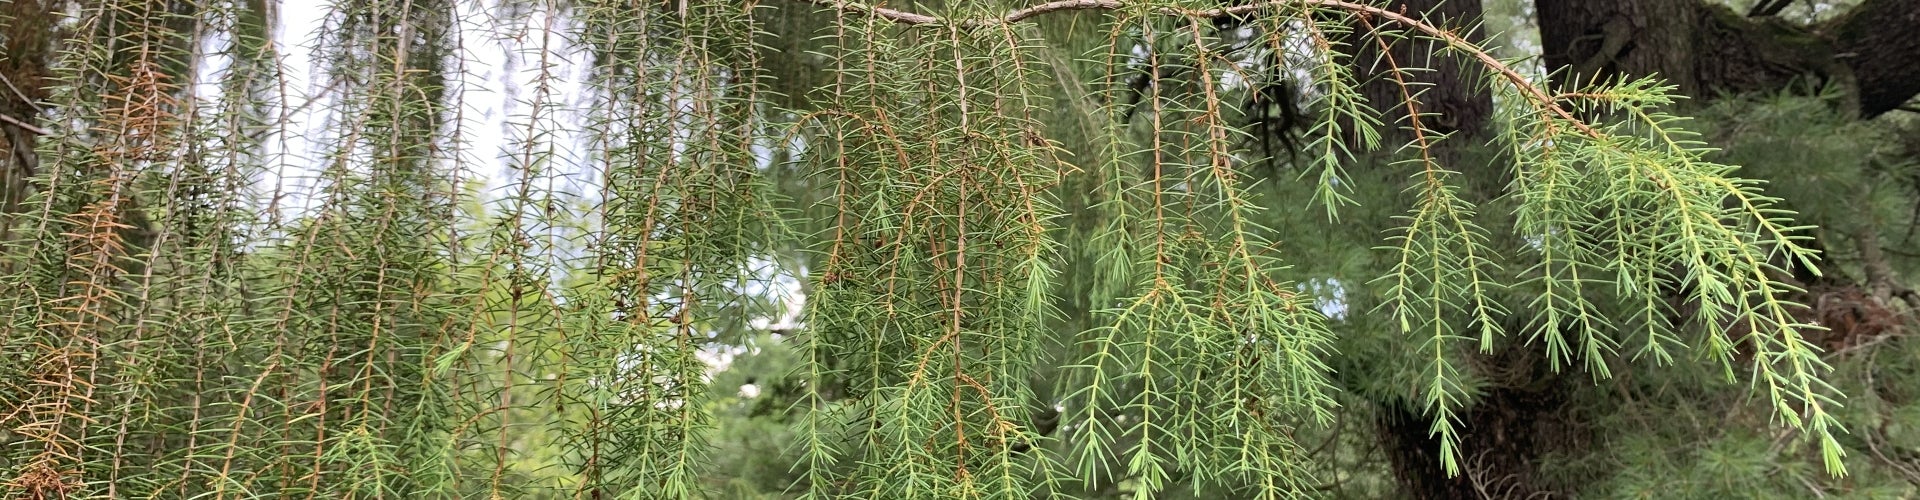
[[24, 125], [23, 95]]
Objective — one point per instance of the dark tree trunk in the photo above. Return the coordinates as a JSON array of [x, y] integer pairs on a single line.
[[1451, 92], [1522, 415], [26, 35], [1880, 42], [1707, 49], [1520, 418]]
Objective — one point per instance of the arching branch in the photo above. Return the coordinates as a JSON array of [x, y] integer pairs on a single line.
[[1533, 93]]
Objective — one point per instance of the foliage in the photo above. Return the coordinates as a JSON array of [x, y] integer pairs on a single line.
[[1026, 272]]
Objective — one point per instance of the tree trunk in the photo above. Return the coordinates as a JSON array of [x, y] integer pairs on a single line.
[[1706, 49], [26, 34], [1521, 416], [1451, 92], [1877, 43]]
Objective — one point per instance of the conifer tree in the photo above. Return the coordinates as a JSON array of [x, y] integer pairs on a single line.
[[1081, 248]]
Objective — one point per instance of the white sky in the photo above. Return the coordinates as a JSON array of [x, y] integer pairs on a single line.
[[494, 91]]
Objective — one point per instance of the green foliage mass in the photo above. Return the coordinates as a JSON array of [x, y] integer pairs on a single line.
[[1022, 275]]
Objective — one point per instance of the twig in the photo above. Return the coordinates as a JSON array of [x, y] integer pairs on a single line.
[[28, 126], [23, 95], [905, 17], [1767, 8], [1877, 340]]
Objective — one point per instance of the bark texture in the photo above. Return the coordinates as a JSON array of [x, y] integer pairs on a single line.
[[1878, 43], [25, 48], [1707, 49]]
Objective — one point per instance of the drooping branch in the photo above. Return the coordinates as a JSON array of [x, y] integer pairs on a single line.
[[1453, 41], [911, 18]]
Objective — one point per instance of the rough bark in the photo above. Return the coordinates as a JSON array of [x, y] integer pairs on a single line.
[[1706, 49], [25, 46], [1877, 42]]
